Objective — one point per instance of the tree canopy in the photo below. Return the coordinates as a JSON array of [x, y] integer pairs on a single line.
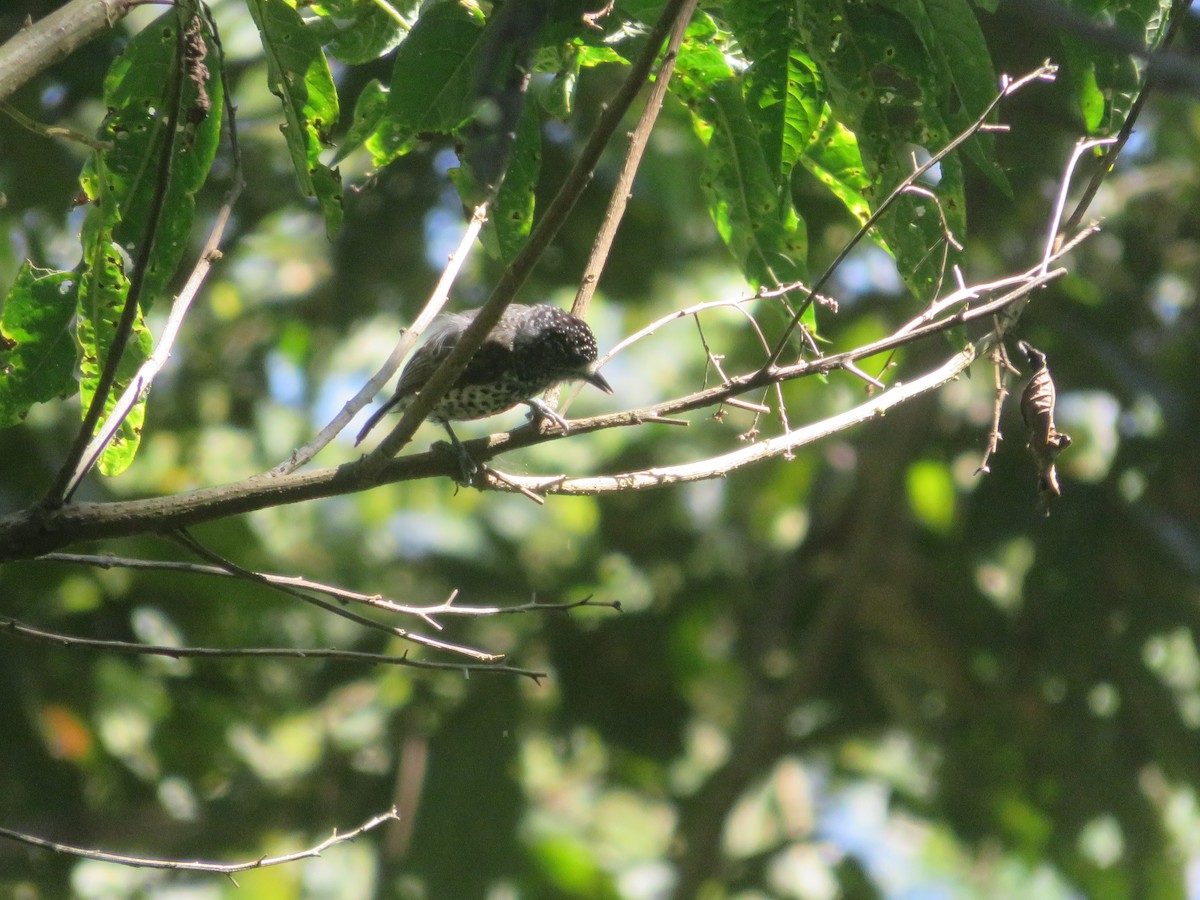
[[877, 574]]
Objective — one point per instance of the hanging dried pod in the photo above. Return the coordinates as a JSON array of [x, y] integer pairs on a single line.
[[1037, 409]]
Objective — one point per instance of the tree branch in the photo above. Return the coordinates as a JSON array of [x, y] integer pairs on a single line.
[[196, 865], [54, 38], [69, 641], [35, 531]]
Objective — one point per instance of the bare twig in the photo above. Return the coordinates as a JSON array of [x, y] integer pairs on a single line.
[[218, 868], [69, 641], [1054, 238], [1045, 72], [433, 643], [53, 131]]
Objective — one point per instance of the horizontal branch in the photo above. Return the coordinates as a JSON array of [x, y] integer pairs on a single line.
[[32, 532], [720, 466], [58, 639], [428, 613], [219, 868]]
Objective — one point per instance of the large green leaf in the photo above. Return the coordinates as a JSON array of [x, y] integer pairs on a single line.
[[753, 213], [37, 354], [299, 76], [432, 87], [510, 218], [122, 181], [950, 33], [745, 180], [884, 88], [785, 93]]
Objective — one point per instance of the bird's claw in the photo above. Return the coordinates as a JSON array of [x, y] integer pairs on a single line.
[[540, 409], [467, 466]]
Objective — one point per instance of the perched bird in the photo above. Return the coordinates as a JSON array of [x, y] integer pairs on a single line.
[[531, 349]]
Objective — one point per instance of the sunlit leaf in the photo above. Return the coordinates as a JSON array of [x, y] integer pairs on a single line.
[[37, 353], [298, 75]]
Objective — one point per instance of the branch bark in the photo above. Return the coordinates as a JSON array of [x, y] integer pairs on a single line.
[[53, 38]]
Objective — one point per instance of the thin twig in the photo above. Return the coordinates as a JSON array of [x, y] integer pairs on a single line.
[[1054, 237], [145, 862], [433, 643], [53, 131], [1045, 72], [69, 641]]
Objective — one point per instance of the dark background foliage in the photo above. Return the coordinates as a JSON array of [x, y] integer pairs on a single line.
[[865, 668]]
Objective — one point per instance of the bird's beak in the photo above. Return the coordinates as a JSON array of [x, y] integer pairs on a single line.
[[595, 378]]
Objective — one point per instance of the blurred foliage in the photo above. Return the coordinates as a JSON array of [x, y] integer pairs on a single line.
[[867, 669]]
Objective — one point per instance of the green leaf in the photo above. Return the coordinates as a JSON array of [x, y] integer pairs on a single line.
[[368, 111], [883, 88], [299, 76], [359, 31], [785, 92], [37, 354], [752, 212], [950, 33], [833, 158], [123, 183], [511, 216], [749, 195], [432, 89], [136, 92], [102, 292]]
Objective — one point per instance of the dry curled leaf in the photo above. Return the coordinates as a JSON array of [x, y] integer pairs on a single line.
[[1037, 409]]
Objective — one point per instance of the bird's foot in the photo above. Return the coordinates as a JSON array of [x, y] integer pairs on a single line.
[[467, 466], [540, 409]]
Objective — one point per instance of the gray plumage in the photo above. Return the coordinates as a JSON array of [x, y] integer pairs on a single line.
[[531, 349]]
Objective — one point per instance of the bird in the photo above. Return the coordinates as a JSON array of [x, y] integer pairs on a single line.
[[531, 349]]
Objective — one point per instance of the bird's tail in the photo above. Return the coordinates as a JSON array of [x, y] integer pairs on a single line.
[[374, 420]]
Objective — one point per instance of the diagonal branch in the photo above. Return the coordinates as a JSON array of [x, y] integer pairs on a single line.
[[54, 38], [60, 489], [543, 234]]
